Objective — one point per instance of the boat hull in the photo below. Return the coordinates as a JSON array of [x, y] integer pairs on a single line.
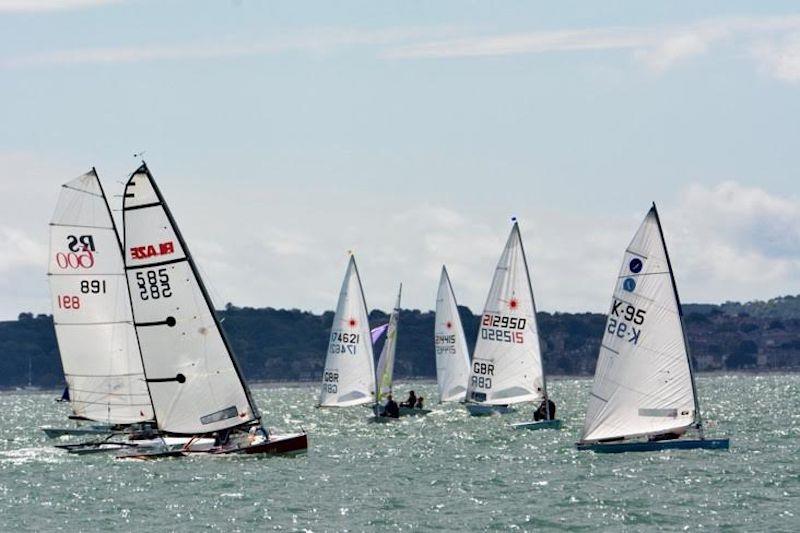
[[404, 411], [654, 446], [290, 444], [478, 409], [54, 433], [541, 424]]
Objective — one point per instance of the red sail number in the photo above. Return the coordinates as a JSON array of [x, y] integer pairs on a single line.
[[75, 260]]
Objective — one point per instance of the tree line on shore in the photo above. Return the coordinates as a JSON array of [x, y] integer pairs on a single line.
[[289, 344]]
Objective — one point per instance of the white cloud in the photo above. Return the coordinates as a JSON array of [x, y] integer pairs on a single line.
[[314, 41], [36, 6], [658, 48], [736, 242], [772, 41], [284, 247], [780, 59]]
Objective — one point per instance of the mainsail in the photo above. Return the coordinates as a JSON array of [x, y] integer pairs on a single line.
[[385, 373], [349, 375], [452, 355], [507, 366], [195, 382], [643, 384], [92, 309]]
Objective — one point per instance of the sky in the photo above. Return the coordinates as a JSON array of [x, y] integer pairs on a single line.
[[284, 134]]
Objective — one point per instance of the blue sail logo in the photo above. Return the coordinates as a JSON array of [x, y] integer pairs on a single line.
[[629, 284]]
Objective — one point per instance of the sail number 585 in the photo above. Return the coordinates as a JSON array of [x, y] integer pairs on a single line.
[[153, 284]]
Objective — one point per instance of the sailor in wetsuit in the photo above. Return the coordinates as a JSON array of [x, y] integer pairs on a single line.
[[546, 410], [411, 402], [420, 404], [391, 408]]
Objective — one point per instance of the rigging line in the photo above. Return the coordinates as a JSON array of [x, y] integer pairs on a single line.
[[88, 226], [130, 374], [642, 274], [85, 274], [92, 323], [81, 191], [156, 264], [105, 393]]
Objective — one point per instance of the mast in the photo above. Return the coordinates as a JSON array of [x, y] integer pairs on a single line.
[[535, 318], [195, 272], [698, 418], [127, 287]]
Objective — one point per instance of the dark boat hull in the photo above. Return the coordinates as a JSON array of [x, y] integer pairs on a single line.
[[277, 445], [654, 446]]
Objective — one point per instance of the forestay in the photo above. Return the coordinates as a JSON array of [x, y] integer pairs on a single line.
[[506, 366], [452, 354], [92, 309], [643, 383], [349, 375], [195, 382], [385, 373]]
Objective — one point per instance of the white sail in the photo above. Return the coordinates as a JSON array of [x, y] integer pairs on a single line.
[[507, 366], [349, 375], [452, 354], [92, 309], [643, 382], [195, 382], [385, 373]]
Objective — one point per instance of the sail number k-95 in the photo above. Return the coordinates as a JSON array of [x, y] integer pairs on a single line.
[[623, 319]]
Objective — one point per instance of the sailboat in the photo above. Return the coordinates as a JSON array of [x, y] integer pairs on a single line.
[[349, 375], [385, 371], [507, 364], [644, 396], [196, 385], [450, 344], [92, 315]]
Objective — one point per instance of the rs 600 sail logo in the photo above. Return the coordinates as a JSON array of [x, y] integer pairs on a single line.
[[80, 255]]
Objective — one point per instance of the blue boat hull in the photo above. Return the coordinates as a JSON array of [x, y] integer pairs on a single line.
[[542, 424], [654, 446], [478, 409]]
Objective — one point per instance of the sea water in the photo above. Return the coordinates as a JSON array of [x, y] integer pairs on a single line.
[[445, 471]]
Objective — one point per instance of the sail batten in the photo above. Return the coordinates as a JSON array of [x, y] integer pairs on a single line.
[[349, 375], [643, 381], [450, 344], [195, 381], [91, 309], [506, 366]]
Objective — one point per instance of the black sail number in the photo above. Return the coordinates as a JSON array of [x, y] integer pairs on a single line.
[[153, 284]]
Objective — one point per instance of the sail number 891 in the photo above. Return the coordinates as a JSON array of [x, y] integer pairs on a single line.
[[153, 284]]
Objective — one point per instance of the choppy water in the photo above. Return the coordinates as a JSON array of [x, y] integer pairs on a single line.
[[445, 471]]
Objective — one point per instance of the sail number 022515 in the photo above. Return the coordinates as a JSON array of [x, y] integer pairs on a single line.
[[153, 284]]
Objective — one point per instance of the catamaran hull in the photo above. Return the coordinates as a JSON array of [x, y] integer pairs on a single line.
[[477, 409], [654, 446], [290, 444], [541, 424], [54, 433]]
